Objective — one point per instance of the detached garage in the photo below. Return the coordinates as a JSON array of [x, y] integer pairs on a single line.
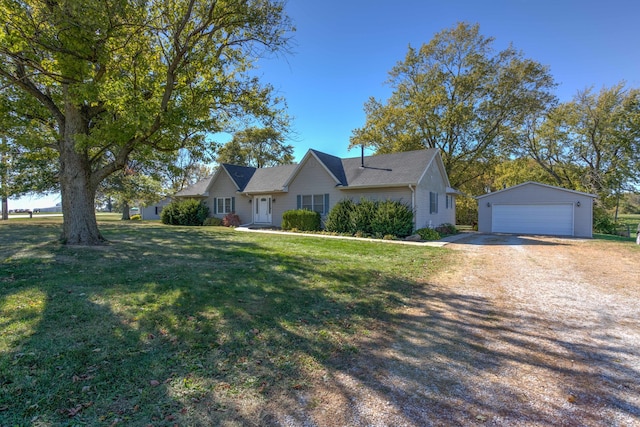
[[534, 208]]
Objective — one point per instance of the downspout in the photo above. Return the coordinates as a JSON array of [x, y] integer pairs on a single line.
[[413, 204]]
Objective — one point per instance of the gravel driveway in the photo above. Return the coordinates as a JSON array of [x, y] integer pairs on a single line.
[[527, 331]]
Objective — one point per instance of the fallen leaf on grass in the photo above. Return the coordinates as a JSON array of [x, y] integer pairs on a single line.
[[154, 383], [72, 412]]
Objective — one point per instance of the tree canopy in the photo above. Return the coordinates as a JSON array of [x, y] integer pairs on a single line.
[[458, 94], [591, 143], [116, 78], [257, 148]]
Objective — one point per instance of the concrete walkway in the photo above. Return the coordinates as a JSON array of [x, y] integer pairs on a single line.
[[437, 243]]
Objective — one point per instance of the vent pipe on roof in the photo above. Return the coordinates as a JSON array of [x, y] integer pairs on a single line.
[[362, 156]]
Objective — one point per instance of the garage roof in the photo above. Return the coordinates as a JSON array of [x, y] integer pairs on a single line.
[[538, 184]]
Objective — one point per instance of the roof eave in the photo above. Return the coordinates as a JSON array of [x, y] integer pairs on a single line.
[[539, 184], [359, 187]]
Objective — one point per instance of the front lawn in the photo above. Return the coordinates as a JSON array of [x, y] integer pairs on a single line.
[[187, 326]]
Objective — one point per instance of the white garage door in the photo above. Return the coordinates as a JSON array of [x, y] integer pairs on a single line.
[[553, 219]]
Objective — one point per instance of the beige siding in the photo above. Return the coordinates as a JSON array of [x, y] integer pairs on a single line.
[[312, 178], [153, 212], [402, 194], [223, 186], [532, 193], [433, 182]]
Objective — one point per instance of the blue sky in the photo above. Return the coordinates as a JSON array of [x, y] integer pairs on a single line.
[[343, 51]]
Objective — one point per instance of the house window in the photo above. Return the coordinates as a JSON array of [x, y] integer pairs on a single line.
[[314, 202], [433, 203], [449, 200], [307, 202], [223, 205]]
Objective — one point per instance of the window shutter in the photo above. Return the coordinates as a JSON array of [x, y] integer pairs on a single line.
[[233, 204], [299, 201], [215, 205], [326, 203]]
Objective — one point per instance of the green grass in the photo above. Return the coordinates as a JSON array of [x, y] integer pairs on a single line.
[[624, 220], [632, 221], [175, 325]]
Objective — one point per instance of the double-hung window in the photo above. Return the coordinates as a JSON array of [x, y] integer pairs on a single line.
[[433, 202], [224, 205], [314, 202], [449, 200]]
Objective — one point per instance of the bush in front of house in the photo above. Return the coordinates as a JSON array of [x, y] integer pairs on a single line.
[[428, 234], [363, 215], [184, 212], [339, 218], [231, 220], [392, 218], [301, 220], [447, 229], [136, 217], [212, 222], [369, 218]]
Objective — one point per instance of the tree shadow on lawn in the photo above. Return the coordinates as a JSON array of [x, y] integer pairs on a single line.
[[456, 360], [502, 239], [196, 328], [185, 328]]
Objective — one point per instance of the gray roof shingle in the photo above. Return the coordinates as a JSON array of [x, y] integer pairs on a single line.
[[387, 169], [333, 164], [196, 190], [269, 179], [241, 175], [381, 170]]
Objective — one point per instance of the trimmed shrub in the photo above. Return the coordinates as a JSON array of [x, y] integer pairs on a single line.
[[428, 234], [135, 217], [339, 219], [363, 216], [369, 218], [231, 220], [213, 222], [184, 212], [446, 229], [392, 218], [301, 219]]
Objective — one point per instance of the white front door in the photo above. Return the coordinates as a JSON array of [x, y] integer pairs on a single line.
[[262, 212]]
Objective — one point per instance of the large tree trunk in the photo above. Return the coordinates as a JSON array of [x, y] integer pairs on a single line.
[[125, 211], [5, 208], [79, 226]]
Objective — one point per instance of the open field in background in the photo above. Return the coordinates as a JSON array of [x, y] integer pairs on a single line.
[[632, 221], [171, 325]]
